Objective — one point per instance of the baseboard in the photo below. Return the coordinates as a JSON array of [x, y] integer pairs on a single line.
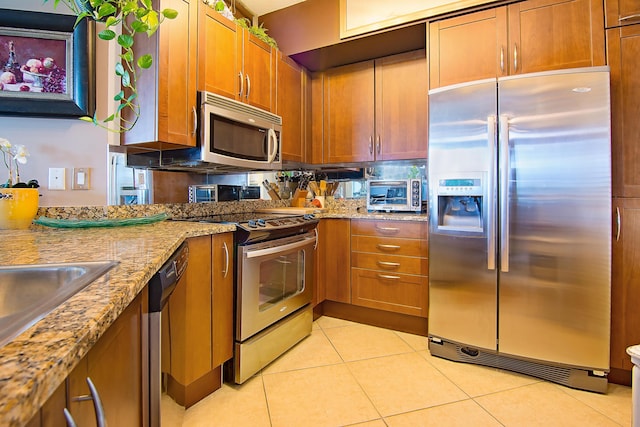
[[189, 394], [370, 316]]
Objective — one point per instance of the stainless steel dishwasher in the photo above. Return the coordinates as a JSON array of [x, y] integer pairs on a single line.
[[161, 286]]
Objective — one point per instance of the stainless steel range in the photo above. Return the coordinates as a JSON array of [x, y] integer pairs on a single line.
[[274, 267]]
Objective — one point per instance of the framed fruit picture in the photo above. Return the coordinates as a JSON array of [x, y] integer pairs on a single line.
[[47, 64]]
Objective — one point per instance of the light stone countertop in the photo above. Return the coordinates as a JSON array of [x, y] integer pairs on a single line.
[[37, 361]]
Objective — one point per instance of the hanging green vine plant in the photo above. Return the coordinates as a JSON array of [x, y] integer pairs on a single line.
[[258, 31], [135, 16]]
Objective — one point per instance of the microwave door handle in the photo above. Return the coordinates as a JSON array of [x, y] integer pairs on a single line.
[[273, 145]]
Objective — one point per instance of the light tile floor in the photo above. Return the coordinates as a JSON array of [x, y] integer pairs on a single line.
[[348, 374]]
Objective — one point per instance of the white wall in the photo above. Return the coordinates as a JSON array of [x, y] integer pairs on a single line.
[[66, 143]]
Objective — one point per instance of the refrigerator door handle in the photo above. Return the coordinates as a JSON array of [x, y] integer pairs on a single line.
[[503, 135], [491, 200]]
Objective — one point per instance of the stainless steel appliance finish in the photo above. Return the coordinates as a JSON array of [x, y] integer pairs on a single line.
[[403, 195], [161, 286], [274, 274], [238, 134], [520, 218], [213, 193]]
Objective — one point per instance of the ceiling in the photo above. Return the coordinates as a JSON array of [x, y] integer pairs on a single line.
[[262, 7]]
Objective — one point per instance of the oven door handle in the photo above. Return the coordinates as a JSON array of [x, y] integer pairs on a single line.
[[276, 249]]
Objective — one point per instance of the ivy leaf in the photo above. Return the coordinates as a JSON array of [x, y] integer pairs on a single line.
[[106, 9], [147, 3], [170, 13], [129, 7], [125, 40], [107, 35], [126, 79], [119, 96], [111, 20], [119, 69], [145, 61], [151, 19], [127, 56], [139, 26], [86, 119]]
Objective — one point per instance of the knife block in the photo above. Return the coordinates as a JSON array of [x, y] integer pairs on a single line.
[[299, 198]]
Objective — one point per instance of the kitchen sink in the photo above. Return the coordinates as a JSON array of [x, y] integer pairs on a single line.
[[29, 292]]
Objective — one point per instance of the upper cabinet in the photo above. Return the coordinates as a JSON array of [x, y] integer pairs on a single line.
[[525, 37], [217, 54], [623, 53], [233, 62], [376, 110], [167, 91], [621, 12], [290, 105]]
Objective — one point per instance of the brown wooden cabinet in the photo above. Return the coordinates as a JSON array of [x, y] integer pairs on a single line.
[[523, 37], [333, 255], [188, 320], [115, 366], [621, 12], [198, 322], [217, 53], [290, 105], [623, 53], [167, 91], [233, 62], [222, 294], [376, 110], [625, 286], [389, 266]]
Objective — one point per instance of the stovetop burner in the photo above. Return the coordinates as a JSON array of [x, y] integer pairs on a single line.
[[258, 226]]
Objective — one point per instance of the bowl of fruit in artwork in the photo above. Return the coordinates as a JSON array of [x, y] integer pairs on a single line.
[[37, 75]]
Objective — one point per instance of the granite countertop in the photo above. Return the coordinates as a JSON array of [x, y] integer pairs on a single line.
[[37, 361]]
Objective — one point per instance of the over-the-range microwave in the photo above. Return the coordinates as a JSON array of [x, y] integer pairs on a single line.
[[233, 136], [237, 134]]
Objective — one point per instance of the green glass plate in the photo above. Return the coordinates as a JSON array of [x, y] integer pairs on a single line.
[[83, 223]]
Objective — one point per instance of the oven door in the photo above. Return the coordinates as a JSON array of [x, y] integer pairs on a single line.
[[275, 279]]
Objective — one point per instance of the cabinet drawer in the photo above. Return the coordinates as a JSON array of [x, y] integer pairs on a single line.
[[399, 293], [408, 229], [391, 263], [390, 246]]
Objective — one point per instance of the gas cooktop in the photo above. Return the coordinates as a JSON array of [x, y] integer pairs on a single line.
[[254, 226]]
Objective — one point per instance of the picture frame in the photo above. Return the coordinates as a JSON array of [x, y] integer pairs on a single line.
[[52, 61]]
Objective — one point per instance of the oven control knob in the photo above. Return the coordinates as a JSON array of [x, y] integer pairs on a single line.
[[252, 223], [262, 223]]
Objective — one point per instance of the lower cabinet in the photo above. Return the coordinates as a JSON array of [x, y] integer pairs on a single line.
[[625, 287], [389, 266], [374, 272], [115, 366], [198, 321], [333, 255]]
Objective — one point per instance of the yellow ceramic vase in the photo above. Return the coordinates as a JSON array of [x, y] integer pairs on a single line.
[[18, 207]]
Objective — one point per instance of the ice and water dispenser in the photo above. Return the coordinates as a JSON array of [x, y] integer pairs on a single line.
[[460, 203]]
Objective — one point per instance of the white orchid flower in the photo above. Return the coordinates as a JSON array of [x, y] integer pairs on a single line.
[[21, 154], [5, 145]]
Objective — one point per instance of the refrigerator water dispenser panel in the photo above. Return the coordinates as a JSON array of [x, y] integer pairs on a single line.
[[460, 202]]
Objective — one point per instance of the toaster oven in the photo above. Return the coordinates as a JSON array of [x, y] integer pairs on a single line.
[[403, 195]]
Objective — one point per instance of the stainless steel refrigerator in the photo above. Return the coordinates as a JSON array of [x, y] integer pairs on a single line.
[[520, 224]]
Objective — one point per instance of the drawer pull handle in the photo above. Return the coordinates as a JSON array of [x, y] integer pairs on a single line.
[[387, 229], [389, 277], [390, 247], [388, 264], [630, 17]]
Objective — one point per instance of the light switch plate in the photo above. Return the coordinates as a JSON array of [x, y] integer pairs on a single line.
[[56, 179], [81, 178]]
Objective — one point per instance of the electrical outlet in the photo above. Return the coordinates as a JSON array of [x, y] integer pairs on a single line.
[[80, 178], [56, 179]]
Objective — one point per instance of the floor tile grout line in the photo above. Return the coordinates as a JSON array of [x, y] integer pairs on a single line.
[[564, 390]]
